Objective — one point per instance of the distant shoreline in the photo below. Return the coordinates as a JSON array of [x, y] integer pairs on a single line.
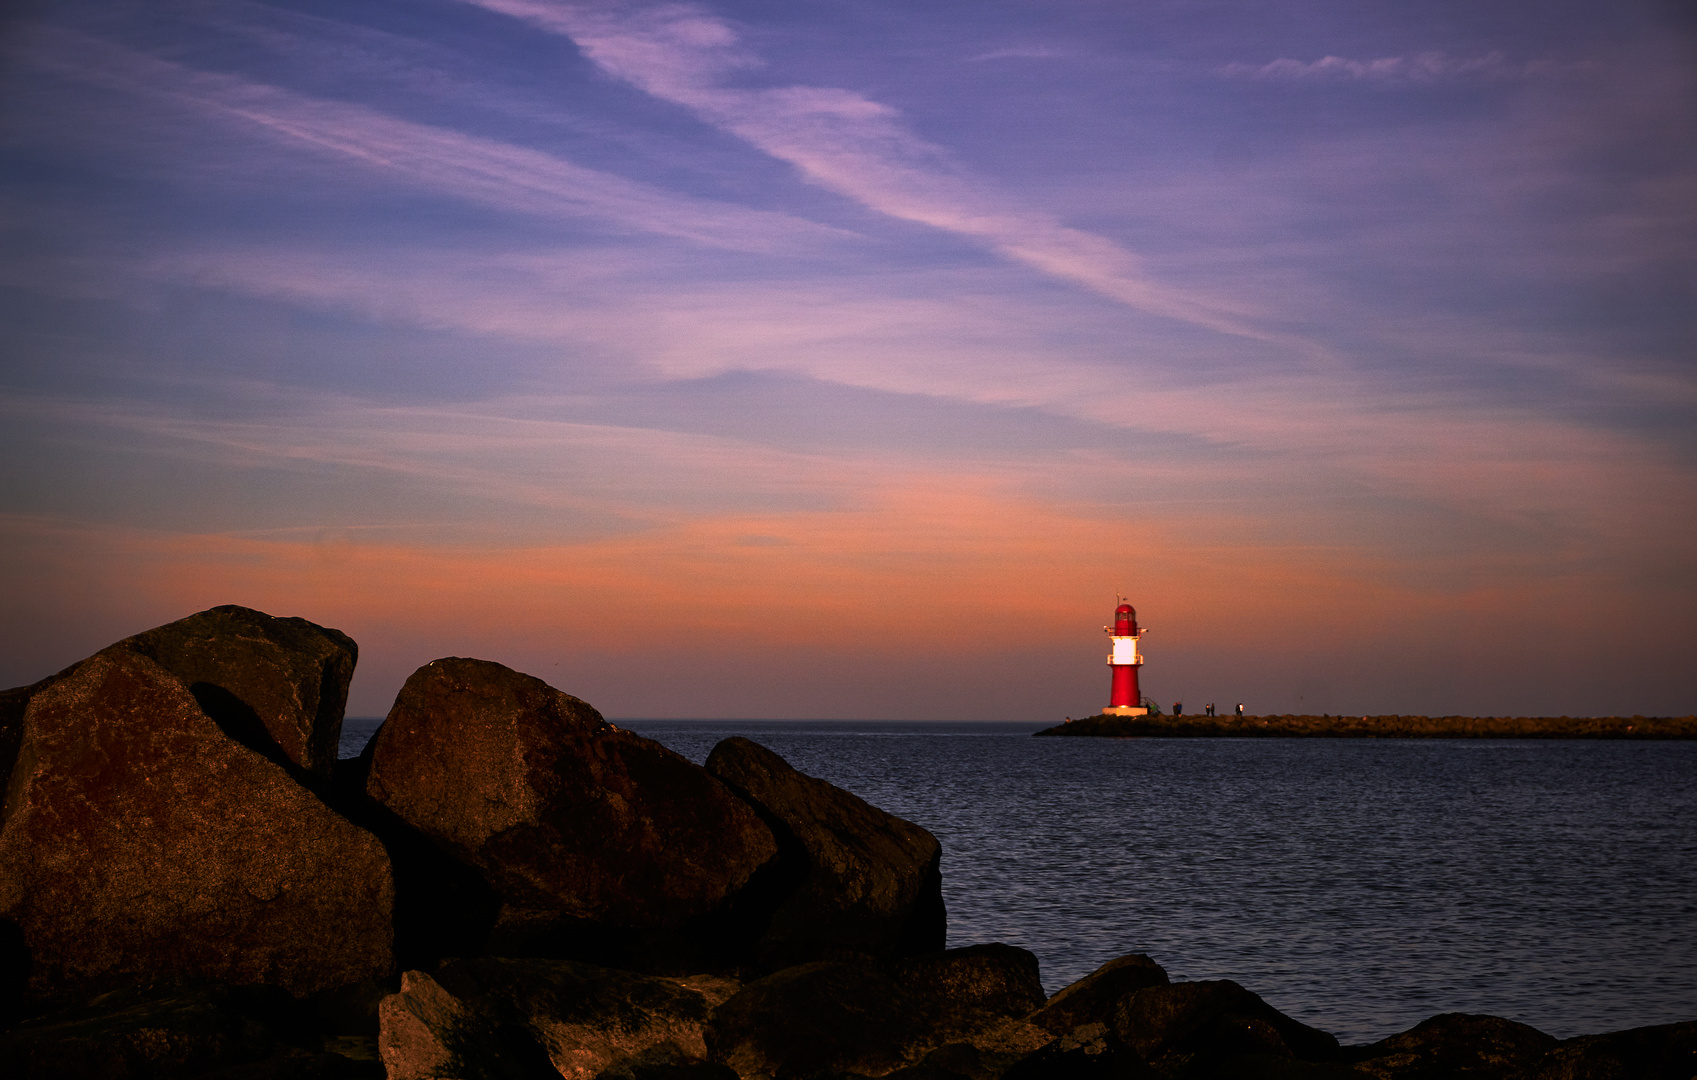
[[1379, 727]]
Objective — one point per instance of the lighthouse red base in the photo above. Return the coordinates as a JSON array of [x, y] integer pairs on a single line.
[[1124, 694], [1124, 660]]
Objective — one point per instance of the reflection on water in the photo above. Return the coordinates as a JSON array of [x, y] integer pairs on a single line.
[[1358, 885]]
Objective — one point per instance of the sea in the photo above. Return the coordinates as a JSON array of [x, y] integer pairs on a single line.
[[1358, 885]]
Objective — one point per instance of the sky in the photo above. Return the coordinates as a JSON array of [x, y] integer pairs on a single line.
[[851, 358]]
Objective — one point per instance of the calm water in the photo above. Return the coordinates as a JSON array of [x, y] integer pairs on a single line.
[[1358, 885]]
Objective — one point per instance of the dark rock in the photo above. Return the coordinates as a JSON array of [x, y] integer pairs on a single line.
[[13, 704], [699, 1070], [140, 841], [858, 1016], [1265, 1067], [14, 969], [277, 686], [823, 1017], [352, 1009], [970, 1061], [963, 991], [429, 1033], [1455, 1044], [1662, 1052], [170, 1032], [866, 881], [443, 907], [1191, 1026], [954, 1060], [1091, 999], [295, 1063], [1087, 1052], [499, 1017], [590, 836]]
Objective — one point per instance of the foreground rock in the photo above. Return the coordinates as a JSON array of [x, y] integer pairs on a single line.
[[1456, 1044], [1091, 1000], [141, 841], [1190, 726], [1089, 1052], [178, 1032], [594, 839], [1190, 1026], [1491, 1048], [277, 686], [860, 880], [544, 1018], [861, 1017], [1661, 1052]]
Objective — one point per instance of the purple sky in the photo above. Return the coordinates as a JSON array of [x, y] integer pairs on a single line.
[[848, 359]]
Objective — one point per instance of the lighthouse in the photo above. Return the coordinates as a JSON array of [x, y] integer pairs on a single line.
[[1124, 660]]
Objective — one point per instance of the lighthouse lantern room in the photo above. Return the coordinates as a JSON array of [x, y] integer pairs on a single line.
[[1124, 659]]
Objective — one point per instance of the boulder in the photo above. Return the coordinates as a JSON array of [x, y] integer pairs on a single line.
[[518, 1018], [865, 881], [1195, 1026], [129, 1034], [426, 1032], [173, 1031], [140, 841], [964, 993], [1087, 1052], [1455, 1044], [13, 704], [277, 686], [1661, 1052], [1091, 1000], [590, 836], [860, 1016], [823, 1017]]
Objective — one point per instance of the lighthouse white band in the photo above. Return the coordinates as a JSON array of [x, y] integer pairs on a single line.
[[1125, 651]]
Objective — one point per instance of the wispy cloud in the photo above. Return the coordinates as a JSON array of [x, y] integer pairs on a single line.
[[1426, 67], [859, 148], [506, 453], [1026, 52], [950, 339], [468, 167]]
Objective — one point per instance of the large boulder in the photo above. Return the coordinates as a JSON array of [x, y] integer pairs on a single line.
[[1088, 1052], [1091, 1000], [13, 704], [962, 993], [278, 686], [493, 1018], [860, 1016], [177, 1032], [591, 837], [866, 882], [1455, 1044], [140, 841], [1660, 1052], [1200, 1027]]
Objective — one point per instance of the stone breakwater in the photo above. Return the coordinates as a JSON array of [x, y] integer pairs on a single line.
[[1381, 727], [504, 885]]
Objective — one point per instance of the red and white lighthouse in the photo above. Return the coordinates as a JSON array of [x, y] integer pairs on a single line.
[[1124, 660]]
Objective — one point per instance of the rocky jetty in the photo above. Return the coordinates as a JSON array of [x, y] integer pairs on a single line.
[[1189, 726], [505, 886]]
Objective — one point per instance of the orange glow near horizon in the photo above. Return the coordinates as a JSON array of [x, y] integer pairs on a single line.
[[923, 577]]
